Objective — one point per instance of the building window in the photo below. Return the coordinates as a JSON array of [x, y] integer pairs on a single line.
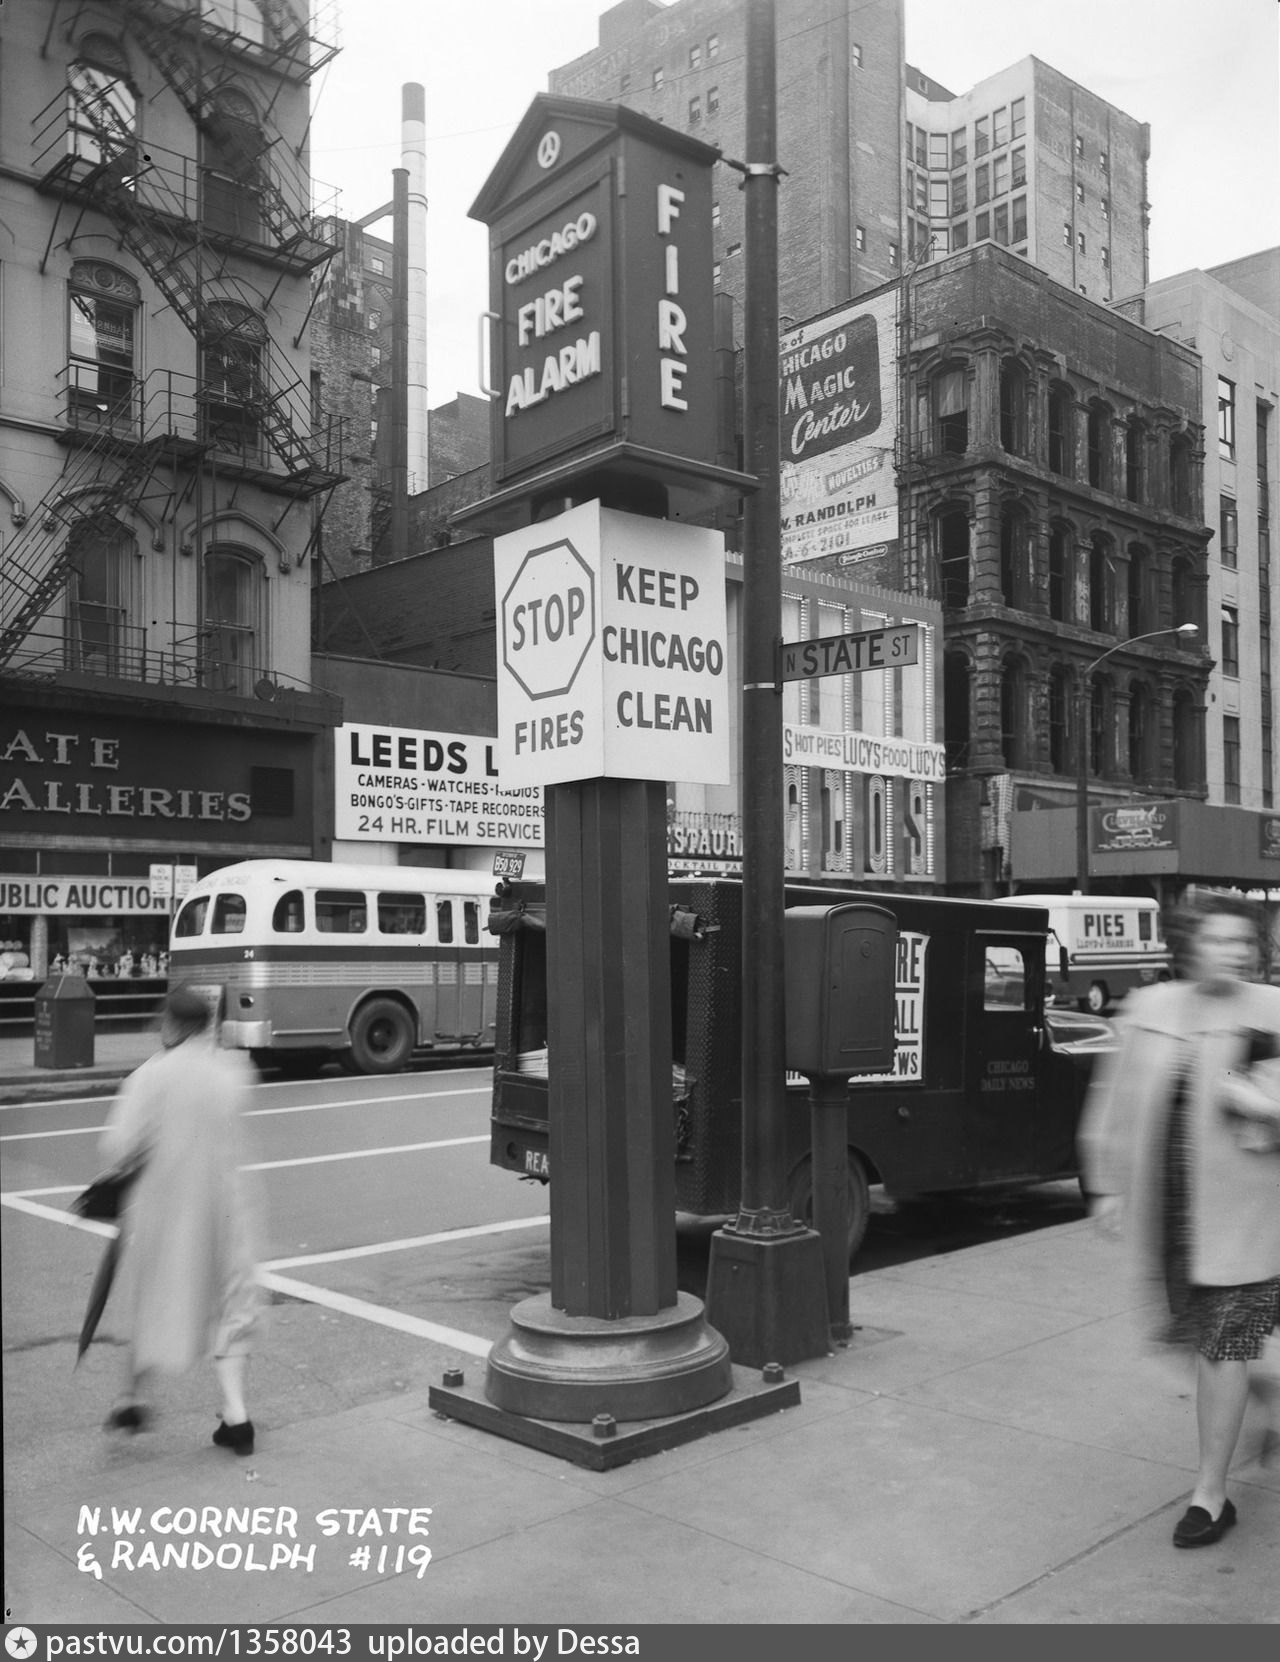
[[959, 193], [959, 235], [856, 54], [1139, 589], [1140, 731], [1080, 193], [373, 321], [981, 227], [1101, 579], [375, 356], [101, 106], [981, 135], [231, 379], [1226, 419], [1060, 446], [952, 535], [231, 146], [1228, 532], [715, 213], [1018, 175], [658, 79], [1000, 176], [1000, 127], [951, 410], [1018, 117], [938, 149], [1230, 640], [1188, 749], [893, 253], [1231, 758], [715, 274], [102, 338], [1019, 219], [99, 554], [732, 249], [960, 147], [1080, 243], [1014, 556], [1079, 145], [695, 110], [229, 634], [1180, 475], [1066, 233], [713, 101], [1059, 569], [1013, 406], [1135, 439], [1103, 162], [695, 57], [1099, 445], [938, 198], [1015, 727], [860, 238], [377, 265], [981, 184], [1106, 259], [713, 48], [1105, 205], [1001, 224], [922, 193]]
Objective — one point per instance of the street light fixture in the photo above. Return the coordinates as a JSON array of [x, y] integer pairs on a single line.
[[1082, 745]]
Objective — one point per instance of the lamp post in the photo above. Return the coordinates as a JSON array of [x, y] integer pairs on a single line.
[[1082, 745]]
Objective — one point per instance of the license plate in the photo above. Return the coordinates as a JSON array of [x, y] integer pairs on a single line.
[[536, 1163]]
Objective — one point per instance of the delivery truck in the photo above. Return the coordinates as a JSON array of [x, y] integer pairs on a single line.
[[985, 1087], [1100, 947]]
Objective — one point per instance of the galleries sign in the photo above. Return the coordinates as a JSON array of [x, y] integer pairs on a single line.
[[838, 404]]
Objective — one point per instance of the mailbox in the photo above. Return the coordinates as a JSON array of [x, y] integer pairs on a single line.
[[839, 971], [64, 1009]]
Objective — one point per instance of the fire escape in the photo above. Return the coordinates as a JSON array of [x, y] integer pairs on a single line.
[[245, 415]]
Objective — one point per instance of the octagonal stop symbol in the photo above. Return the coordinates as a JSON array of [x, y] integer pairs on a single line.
[[549, 619]]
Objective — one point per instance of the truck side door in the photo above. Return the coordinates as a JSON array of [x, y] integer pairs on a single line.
[[1006, 986]]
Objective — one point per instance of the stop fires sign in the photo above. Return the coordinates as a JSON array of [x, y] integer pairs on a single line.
[[549, 619]]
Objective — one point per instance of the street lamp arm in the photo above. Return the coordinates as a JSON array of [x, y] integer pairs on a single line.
[[1177, 629]]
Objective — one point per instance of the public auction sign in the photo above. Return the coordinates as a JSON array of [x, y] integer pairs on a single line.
[[601, 292], [838, 405], [404, 785], [612, 658]]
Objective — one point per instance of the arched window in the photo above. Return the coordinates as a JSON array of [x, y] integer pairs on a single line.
[[1015, 555], [1059, 718], [103, 308], [957, 685], [99, 551], [1015, 723], [1061, 430], [1135, 453], [1138, 597], [1013, 407], [949, 412], [231, 149], [231, 623], [102, 108], [1187, 750], [1180, 474], [231, 379], [1142, 733], [1060, 540], [1101, 581], [1188, 595], [952, 531], [1099, 444]]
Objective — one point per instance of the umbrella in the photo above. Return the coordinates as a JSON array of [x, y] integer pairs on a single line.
[[98, 1295]]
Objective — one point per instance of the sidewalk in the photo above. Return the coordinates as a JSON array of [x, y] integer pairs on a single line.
[[995, 1446], [115, 1054]]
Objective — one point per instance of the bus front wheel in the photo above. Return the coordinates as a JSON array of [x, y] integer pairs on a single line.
[[382, 1037]]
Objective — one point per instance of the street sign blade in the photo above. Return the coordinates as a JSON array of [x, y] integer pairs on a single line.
[[890, 648]]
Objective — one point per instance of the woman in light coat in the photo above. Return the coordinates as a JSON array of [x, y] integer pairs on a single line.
[[1180, 1148], [188, 1279]]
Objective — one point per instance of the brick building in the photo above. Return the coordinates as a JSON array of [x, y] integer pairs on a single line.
[[1053, 502], [1037, 163]]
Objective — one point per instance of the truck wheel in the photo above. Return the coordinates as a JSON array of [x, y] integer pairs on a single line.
[[382, 1037], [1097, 998], [800, 1198]]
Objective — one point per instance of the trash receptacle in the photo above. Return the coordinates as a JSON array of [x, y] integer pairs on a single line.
[[64, 1023]]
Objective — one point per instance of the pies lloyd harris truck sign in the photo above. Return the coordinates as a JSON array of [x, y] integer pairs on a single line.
[[838, 403], [601, 347]]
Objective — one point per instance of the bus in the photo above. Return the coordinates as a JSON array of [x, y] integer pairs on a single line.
[[304, 961], [1100, 946]]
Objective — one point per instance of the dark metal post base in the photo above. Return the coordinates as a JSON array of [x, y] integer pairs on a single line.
[[553, 1366], [767, 1295]]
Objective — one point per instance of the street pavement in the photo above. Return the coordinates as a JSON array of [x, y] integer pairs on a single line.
[[996, 1445]]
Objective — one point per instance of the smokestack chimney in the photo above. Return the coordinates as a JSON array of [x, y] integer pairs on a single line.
[[413, 108]]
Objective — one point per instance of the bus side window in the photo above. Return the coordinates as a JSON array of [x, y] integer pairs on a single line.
[[444, 922], [471, 922], [341, 912], [402, 914], [287, 918], [228, 915], [191, 918]]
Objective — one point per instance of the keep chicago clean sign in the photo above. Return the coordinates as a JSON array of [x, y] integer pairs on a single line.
[[407, 785]]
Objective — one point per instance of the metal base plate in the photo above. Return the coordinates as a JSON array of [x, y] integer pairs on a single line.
[[750, 1398]]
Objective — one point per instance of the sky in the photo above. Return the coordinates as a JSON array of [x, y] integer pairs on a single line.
[[1204, 73]]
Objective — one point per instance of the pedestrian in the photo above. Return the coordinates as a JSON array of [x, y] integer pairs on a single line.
[[1180, 1148], [188, 1278]]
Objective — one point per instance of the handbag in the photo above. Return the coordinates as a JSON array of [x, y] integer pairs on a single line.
[[104, 1199]]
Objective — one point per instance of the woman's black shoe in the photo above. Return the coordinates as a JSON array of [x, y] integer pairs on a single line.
[[129, 1416], [1197, 1529], [238, 1438]]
